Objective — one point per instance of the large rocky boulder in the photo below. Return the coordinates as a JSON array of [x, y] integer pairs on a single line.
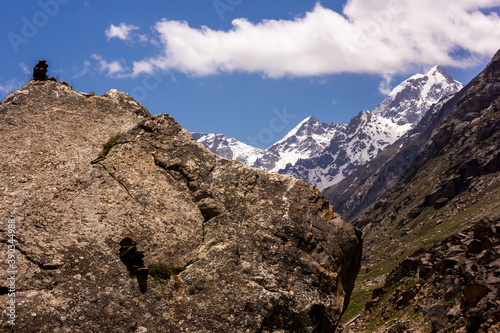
[[229, 248]]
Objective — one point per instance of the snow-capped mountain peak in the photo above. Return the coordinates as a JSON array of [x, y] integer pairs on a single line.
[[309, 132], [309, 138], [369, 133], [303, 126], [229, 148], [361, 140], [410, 100]]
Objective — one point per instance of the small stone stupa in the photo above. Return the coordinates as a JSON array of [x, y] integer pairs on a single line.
[[40, 71]]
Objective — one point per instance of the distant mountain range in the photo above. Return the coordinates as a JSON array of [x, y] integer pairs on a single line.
[[323, 154]]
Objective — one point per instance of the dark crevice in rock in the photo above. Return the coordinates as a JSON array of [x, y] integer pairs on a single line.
[[318, 228], [283, 238], [118, 181], [209, 210], [177, 171], [145, 127], [180, 172], [5, 290], [97, 160], [280, 316], [106, 147], [205, 201], [104, 153], [134, 260], [319, 315]]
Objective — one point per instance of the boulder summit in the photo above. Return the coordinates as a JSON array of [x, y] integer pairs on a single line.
[[124, 223]]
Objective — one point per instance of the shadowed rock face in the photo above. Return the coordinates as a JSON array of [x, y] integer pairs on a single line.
[[261, 252]]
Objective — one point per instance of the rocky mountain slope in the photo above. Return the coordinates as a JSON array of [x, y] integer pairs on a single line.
[[124, 223], [451, 286], [365, 185], [323, 154], [442, 213]]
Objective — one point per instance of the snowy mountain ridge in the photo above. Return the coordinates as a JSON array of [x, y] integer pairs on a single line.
[[308, 139], [229, 148], [364, 138], [323, 154]]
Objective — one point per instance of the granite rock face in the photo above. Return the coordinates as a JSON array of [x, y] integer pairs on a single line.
[[257, 252]]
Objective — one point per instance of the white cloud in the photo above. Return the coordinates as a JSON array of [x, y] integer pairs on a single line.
[[143, 38], [370, 36], [122, 31], [114, 68], [81, 71], [384, 86], [142, 67], [10, 85], [25, 68]]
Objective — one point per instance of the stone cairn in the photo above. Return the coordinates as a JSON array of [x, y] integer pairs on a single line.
[[40, 71]]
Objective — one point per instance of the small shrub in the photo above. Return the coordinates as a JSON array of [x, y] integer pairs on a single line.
[[92, 93], [110, 144], [164, 272]]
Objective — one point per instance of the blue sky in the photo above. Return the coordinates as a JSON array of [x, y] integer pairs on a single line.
[[249, 69]]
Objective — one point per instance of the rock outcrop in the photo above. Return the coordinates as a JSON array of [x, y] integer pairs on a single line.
[[234, 249]]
